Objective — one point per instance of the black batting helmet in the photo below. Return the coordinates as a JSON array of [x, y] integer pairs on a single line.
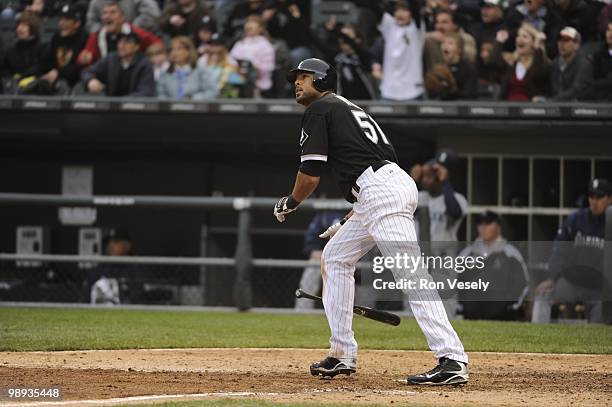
[[325, 77]]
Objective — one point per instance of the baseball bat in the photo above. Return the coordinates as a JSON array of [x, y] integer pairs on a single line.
[[367, 312]]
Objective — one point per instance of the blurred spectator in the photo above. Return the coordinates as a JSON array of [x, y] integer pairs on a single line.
[[602, 69], [207, 28], [576, 261], [467, 11], [313, 248], [255, 47], [141, 13], [446, 206], [104, 41], [491, 21], [504, 268], [491, 68], [223, 67], [430, 9], [440, 83], [402, 67], [445, 23], [578, 14], [21, 60], [38, 7], [159, 59], [236, 20], [528, 79], [182, 17], [605, 17], [185, 79], [571, 72], [7, 13], [464, 72], [542, 17], [115, 283], [126, 72], [287, 22], [353, 65], [59, 62]]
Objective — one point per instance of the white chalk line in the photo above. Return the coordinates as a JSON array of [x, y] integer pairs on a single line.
[[408, 351], [192, 396]]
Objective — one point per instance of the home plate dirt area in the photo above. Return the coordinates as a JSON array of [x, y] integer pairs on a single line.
[[282, 375]]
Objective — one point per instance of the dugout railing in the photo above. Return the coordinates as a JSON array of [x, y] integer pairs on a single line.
[[243, 261]]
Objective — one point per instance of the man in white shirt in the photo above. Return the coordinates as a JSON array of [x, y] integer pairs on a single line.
[[402, 68]]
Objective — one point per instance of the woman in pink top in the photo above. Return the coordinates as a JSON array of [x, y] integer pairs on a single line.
[[256, 48]]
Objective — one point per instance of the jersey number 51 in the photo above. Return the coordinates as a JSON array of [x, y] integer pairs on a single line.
[[370, 128]]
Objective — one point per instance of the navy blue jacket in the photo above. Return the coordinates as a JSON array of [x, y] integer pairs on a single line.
[[318, 225], [577, 253]]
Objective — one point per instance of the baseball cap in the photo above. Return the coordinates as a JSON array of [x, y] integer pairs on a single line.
[[130, 36], [569, 33], [207, 23], [444, 157], [217, 39], [118, 234], [488, 217], [70, 11], [494, 3], [600, 187]]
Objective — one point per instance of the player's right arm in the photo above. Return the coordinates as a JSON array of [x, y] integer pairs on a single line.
[[304, 186], [313, 141]]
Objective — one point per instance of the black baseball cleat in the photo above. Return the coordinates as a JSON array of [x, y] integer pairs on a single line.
[[331, 367], [448, 371]]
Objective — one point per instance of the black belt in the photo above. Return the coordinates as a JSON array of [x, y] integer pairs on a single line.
[[355, 188], [378, 164]]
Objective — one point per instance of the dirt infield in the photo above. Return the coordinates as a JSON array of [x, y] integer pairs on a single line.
[[281, 375]]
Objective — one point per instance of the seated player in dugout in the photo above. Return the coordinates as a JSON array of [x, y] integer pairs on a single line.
[[339, 134], [115, 283], [576, 262], [504, 269]]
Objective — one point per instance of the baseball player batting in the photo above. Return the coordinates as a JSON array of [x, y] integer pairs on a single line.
[[341, 135]]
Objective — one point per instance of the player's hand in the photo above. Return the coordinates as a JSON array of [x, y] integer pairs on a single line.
[[285, 206], [332, 230]]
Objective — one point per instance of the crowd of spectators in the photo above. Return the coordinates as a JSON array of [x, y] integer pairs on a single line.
[[399, 50]]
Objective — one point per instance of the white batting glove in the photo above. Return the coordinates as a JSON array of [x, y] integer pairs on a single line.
[[285, 206], [332, 229]]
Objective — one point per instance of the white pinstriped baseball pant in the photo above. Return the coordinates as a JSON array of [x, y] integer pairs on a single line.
[[383, 216]]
